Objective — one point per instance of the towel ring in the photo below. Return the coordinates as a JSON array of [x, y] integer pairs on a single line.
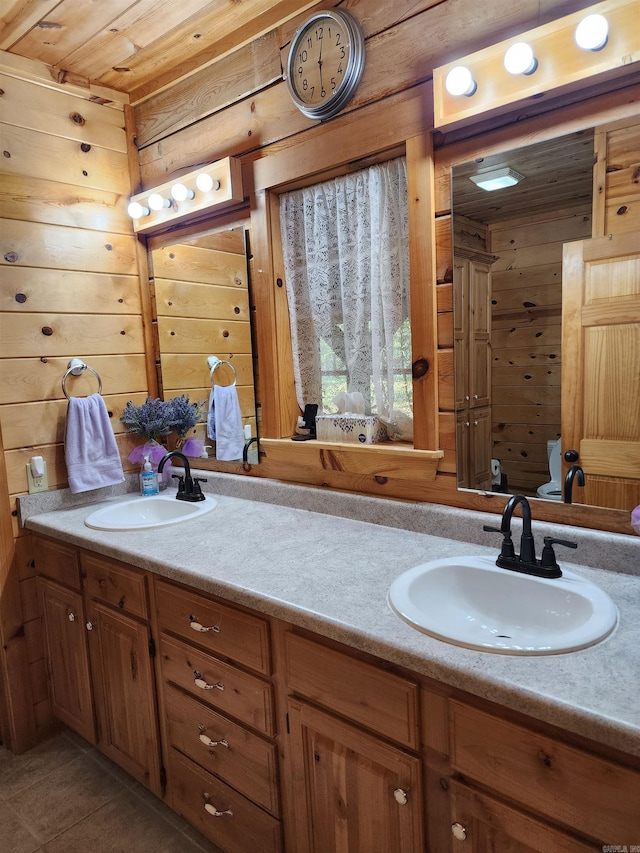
[[214, 362], [77, 367]]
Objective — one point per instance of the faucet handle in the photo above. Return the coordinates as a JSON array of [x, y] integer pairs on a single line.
[[180, 480], [548, 559], [507, 549]]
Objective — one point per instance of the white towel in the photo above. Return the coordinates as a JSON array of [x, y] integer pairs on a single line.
[[224, 422], [90, 448]]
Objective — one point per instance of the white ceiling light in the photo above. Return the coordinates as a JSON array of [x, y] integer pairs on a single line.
[[497, 179], [592, 32], [519, 59], [459, 81]]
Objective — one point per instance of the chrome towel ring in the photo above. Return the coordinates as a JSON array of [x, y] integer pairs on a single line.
[[77, 367], [214, 362]]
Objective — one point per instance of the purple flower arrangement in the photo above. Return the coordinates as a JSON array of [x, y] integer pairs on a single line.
[[157, 418]]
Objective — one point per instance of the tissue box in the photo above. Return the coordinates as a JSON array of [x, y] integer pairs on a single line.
[[355, 429]]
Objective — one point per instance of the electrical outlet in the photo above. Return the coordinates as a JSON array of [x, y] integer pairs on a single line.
[[37, 484]]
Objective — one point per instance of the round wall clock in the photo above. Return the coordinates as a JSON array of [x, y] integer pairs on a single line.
[[325, 63]]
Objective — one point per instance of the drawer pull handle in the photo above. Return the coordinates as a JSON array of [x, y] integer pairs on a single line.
[[202, 629], [212, 810], [206, 740], [400, 796], [199, 681], [459, 831]]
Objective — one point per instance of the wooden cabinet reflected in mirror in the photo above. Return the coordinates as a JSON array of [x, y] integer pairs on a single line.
[[200, 295], [516, 395]]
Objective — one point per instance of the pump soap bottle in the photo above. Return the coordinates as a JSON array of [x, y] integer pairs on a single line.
[[148, 479]]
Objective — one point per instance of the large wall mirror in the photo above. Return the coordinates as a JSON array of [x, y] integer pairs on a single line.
[[515, 389], [200, 294]]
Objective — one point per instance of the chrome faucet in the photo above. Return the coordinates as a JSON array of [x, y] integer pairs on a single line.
[[188, 486], [574, 473], [525, 561]]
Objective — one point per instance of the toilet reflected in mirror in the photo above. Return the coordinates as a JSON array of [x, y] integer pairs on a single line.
[[552, 491]]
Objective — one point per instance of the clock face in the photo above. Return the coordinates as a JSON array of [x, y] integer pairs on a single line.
[[325, 63]]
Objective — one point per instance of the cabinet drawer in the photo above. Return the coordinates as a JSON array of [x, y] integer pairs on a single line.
[[243, 696], [223, 630], [241, 827], [57, 561], [116, 584], [244, 760], [566, 784], [379, 700]]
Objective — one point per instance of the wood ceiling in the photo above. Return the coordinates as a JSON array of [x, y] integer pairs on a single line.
[[557, 173], [136, 46]]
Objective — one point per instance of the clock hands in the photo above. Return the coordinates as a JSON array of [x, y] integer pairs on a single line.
[[320, 64]]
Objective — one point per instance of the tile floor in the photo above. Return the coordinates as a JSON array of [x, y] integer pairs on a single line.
[[66, 797]]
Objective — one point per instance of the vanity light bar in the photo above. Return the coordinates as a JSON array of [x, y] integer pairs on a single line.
[[570, 52], [214, 187]]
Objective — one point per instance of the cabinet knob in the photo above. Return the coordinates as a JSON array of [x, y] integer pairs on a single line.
[[202, 629], [89, 626], [212, 810], [459, 831], [466, 396], [71, 616], [199, 681], [206, 740], [475, 396], [400, 796]]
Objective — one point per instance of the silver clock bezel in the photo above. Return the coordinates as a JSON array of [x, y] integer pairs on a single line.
[[352, 73]]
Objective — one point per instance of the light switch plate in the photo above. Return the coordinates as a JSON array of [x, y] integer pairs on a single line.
[[37, 484]]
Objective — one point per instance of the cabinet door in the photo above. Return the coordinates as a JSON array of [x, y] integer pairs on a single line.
[[480, 448], [361, 795], [125, 693], [67, 658], [479, 334], [482, 824]]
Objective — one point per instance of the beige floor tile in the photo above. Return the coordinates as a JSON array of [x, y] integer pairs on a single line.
[[64, 797], [18, 772], [14, 835], [123, 825]]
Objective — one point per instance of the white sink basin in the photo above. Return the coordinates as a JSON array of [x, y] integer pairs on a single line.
[[470, 602], [142, 513]]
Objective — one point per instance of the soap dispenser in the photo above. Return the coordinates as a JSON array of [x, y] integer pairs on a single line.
[[148, 479]]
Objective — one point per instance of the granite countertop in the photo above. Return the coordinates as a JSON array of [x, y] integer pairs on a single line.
[[331, 574]]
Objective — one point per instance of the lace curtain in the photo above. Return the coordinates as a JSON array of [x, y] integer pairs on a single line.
[[346, 261]]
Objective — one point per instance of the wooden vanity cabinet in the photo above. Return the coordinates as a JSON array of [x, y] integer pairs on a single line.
[[99, 654], [514, 789], [374, 759], [357, 785], [67, 655], [218, 718]]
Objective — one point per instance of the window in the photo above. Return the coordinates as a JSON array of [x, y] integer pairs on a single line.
[[346, 260]]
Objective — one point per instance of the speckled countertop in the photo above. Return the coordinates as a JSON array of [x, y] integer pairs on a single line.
[[329, 570]]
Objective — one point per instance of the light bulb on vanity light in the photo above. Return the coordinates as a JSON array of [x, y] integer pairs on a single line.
[[592, 32], [158, 202], [459, 81], [205, 183], [137, 210], [520, 59], [180, 193]]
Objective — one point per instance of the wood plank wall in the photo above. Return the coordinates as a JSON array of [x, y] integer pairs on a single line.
[[201, 295], [69, 287]]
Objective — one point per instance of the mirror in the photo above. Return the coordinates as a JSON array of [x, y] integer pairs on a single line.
[[200, 294], [508, 247]]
